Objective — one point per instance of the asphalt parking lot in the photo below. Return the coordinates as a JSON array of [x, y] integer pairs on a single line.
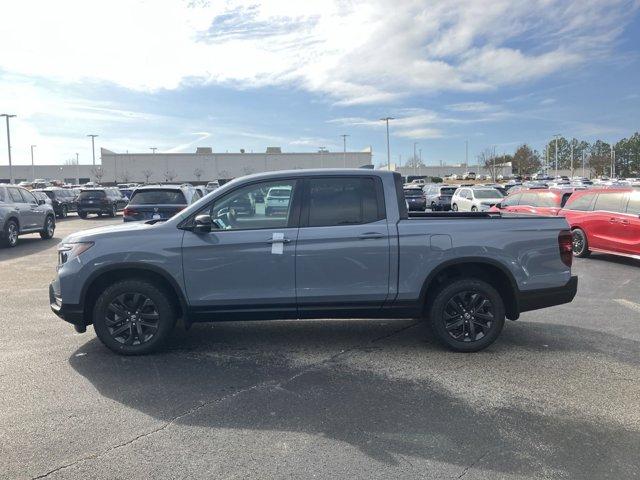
[[557, 396]]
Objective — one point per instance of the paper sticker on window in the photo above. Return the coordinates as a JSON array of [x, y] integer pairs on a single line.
[[277, 245]]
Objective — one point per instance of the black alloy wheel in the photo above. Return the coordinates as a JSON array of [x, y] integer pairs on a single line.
[[467, 315], [132, 319], [579, 244]]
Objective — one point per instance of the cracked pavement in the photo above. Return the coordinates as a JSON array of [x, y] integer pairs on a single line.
[[557, 396]]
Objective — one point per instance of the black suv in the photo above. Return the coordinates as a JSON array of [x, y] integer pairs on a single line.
[[63, 201], [107, 200]]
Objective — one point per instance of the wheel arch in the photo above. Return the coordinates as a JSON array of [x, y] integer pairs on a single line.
[[489, 270], [104, 277]]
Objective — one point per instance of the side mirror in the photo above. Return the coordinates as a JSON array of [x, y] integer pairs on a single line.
[[498, 205], [202, 224], [41, 202]]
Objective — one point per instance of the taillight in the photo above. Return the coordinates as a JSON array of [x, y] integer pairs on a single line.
[[565, 242], [129, 212]]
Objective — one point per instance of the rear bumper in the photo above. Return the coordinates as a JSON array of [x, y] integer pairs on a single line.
[[548, 297], [73, 314]]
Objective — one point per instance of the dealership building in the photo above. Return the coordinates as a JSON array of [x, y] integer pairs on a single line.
[[201, 166]]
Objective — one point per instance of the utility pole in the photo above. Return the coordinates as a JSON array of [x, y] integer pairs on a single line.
[[33, 168], [344, 148], [386, 119], [93, 148], [572, 160], [7, 116], [556, 136]]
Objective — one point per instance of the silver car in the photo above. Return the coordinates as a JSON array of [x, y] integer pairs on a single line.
[[21, 213]]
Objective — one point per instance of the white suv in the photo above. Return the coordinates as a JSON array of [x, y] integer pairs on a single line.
[[475, 199]]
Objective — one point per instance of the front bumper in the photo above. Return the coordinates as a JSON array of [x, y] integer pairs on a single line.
[[73, 314], [548, 297]]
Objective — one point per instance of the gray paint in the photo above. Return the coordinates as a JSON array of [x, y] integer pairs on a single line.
[[321, 265]]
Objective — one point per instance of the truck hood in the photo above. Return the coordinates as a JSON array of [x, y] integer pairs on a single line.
[[110, 230]]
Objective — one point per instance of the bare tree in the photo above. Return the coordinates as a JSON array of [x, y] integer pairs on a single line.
[[247, 170], [169, 176], [98, 173], [224, 174], [71, 161], [147, 174], [198, 172], [125, 176]]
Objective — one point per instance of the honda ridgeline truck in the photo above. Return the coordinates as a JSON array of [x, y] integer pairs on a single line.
[[344, 247]]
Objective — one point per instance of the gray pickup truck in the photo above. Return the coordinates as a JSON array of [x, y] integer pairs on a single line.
[[340, 244]]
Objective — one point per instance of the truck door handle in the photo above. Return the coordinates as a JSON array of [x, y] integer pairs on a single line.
[[279, 240], [368, 235]]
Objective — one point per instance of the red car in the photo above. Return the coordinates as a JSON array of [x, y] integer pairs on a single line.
[[534, 201], [605, 220]]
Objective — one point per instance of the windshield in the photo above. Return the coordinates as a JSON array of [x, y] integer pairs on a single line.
[[487, 194], [158, 197], [92, 195]]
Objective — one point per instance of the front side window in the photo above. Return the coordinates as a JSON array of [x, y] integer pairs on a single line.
[[609, 202], [343, 201], [264, 205], [633, 206], [28, 196], [511, 200], [14, 193]]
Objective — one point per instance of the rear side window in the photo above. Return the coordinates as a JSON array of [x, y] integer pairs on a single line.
[[447, 191], [158, 197], [530, 199], [565, 198], [342, 201], [610, 202], [582, 203], [92, 195], [633, 206], [402, 206]]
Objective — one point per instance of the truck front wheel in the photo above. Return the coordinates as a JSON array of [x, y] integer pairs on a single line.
[[133, 317], [467, 315]]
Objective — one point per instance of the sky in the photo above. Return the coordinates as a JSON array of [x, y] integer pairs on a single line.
[[178, 74]]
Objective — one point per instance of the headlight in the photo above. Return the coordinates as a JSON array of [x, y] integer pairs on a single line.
[[69, 251]]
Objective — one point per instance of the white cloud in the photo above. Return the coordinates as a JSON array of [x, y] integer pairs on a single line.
[[470, 107], [357, 52]]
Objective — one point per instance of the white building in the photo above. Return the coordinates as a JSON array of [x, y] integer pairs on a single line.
[[201, 166]]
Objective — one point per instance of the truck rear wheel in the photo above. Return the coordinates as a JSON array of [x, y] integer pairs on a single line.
[[467, 315], [133, 317]]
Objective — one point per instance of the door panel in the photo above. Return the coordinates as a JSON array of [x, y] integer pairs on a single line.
[[343, 264], [247, 262], [342, 255], [605, 224]]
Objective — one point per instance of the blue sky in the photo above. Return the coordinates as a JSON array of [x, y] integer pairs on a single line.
[[243, 74]]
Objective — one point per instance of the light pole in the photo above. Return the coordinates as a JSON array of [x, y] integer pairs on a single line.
[[33, 168], [613, 162], [386, 119], [7, 116], [153, 149], [77, 169], [415, 158], [93, 148], [583, 163], [420, 159], [344, 148], [571, 160], [556, 136]]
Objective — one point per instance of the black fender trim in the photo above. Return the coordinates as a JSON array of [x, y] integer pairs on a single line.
[[513, 310], [142, 267]]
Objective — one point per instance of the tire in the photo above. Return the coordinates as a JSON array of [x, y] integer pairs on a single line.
[[64, 211], [99, 214], [10, 235], [122, 333], [474, 209], [455, 315], [114, 211], [49, 228], [454, 207], [82, 214], [580, 245]]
